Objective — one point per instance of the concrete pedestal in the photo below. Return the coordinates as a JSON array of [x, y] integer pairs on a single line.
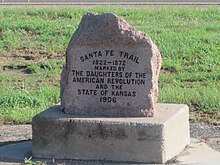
[[139, 139]]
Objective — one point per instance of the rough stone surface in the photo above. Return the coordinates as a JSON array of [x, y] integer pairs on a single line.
[[111, 69], [140, 139]]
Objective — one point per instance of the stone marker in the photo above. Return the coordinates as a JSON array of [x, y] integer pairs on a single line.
[[111, 69]]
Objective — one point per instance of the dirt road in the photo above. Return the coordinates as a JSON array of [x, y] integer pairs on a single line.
[[109, 2]]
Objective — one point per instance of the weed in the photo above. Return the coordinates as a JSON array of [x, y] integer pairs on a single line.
[[29, 161]]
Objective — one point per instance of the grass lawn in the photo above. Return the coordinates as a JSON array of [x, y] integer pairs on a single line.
[[33, 43]]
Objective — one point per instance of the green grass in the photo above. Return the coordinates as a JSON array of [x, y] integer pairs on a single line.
[[33, 43]]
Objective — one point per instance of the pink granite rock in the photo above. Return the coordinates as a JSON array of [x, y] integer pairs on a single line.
[[111, 69]]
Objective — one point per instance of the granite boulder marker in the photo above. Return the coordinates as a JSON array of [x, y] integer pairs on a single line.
[[111, 69]]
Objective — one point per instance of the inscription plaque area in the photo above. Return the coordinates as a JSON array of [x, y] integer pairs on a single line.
[[111, 69]]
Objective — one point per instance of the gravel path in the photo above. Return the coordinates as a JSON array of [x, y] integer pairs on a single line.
[[202, 131], [14, 133], [208, 133]]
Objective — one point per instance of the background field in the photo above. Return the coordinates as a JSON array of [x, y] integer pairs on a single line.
[[33, 43]]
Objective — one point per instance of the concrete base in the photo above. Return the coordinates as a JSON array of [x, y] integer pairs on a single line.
[[139, 139]]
